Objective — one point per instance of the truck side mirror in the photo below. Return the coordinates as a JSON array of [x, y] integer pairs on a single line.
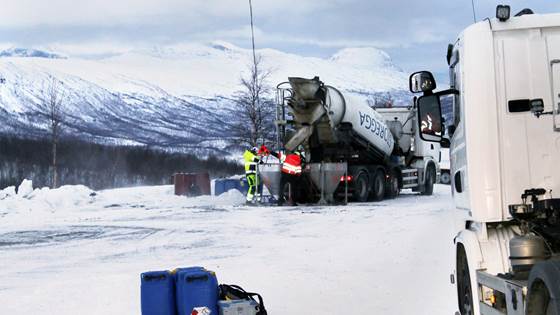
[[422, 81], [429, 118]]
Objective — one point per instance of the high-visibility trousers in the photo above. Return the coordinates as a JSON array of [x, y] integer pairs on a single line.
[[252, 182]]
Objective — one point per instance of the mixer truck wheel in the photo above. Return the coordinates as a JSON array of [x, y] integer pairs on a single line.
[[378, 189], [429, 182], [392, 189], [361, 187], [445, 178]]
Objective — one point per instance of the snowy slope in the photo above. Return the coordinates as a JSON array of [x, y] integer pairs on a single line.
[[174, 97], [67, 251]]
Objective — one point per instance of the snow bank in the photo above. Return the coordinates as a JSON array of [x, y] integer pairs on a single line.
[[63, 198], [25, 188], [7, 192], [43, 199]]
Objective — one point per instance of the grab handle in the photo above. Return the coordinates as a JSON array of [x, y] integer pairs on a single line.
[[196, 278]]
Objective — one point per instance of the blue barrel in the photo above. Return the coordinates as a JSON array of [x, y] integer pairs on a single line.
[[177, 270], [157, 293], [230, 184], [225, 184], [196, 289], [219, 187]]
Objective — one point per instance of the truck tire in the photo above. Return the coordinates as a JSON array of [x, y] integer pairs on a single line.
[[464, 289], [445, 178], [429, 182], [378, 187], [544, 292], [392, 187], [361, 187]]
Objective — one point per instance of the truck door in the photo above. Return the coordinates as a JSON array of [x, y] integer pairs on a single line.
[[457, 151]]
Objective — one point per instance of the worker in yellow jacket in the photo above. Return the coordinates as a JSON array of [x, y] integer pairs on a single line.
[[251, 160]]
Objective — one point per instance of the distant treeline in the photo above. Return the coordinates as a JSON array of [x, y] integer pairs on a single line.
[[99, 166]]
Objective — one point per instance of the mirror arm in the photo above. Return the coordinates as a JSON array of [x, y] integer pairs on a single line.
[[447, 92]]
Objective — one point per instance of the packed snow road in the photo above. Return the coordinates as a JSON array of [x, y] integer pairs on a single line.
[[71, 251]]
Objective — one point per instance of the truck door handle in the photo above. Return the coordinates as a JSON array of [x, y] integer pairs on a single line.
[[458, 182]]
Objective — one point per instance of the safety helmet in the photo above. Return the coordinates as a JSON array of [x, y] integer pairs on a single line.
[[254, 150]]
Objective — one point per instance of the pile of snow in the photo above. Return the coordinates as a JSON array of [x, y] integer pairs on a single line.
[[71, 197], [62, 198], [25, 188], [29, 200], [154, 196]]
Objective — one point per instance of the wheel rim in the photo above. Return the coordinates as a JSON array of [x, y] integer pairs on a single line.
[[363, 186]]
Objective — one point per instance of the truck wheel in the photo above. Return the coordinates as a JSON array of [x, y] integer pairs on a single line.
[[464, 290], [392, 189], [543, 295], [361, 187], [445, 178], [429, 182], [378, 189]]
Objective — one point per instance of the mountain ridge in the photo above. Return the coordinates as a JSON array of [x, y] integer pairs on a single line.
[[174, 97]]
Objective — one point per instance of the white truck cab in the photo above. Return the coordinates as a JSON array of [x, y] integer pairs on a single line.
[[505, 157]]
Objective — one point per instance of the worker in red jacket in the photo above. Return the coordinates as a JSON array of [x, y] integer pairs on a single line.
[[291, 163], [291, 170]]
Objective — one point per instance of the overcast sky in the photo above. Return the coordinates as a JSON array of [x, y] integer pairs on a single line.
[[414, 33]]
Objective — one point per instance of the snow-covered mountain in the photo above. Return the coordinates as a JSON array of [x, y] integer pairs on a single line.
[[172, 97], [24, 52]]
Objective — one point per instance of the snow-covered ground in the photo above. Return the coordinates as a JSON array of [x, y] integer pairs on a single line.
[[72, 251]]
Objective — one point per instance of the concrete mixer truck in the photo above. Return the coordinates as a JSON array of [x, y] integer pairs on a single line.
[[351, 150]]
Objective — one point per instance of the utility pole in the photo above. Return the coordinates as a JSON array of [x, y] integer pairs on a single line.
[[253, 34], [473, 11]]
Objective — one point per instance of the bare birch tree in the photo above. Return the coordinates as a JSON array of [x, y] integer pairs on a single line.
[[53, 103], [254, 108]]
